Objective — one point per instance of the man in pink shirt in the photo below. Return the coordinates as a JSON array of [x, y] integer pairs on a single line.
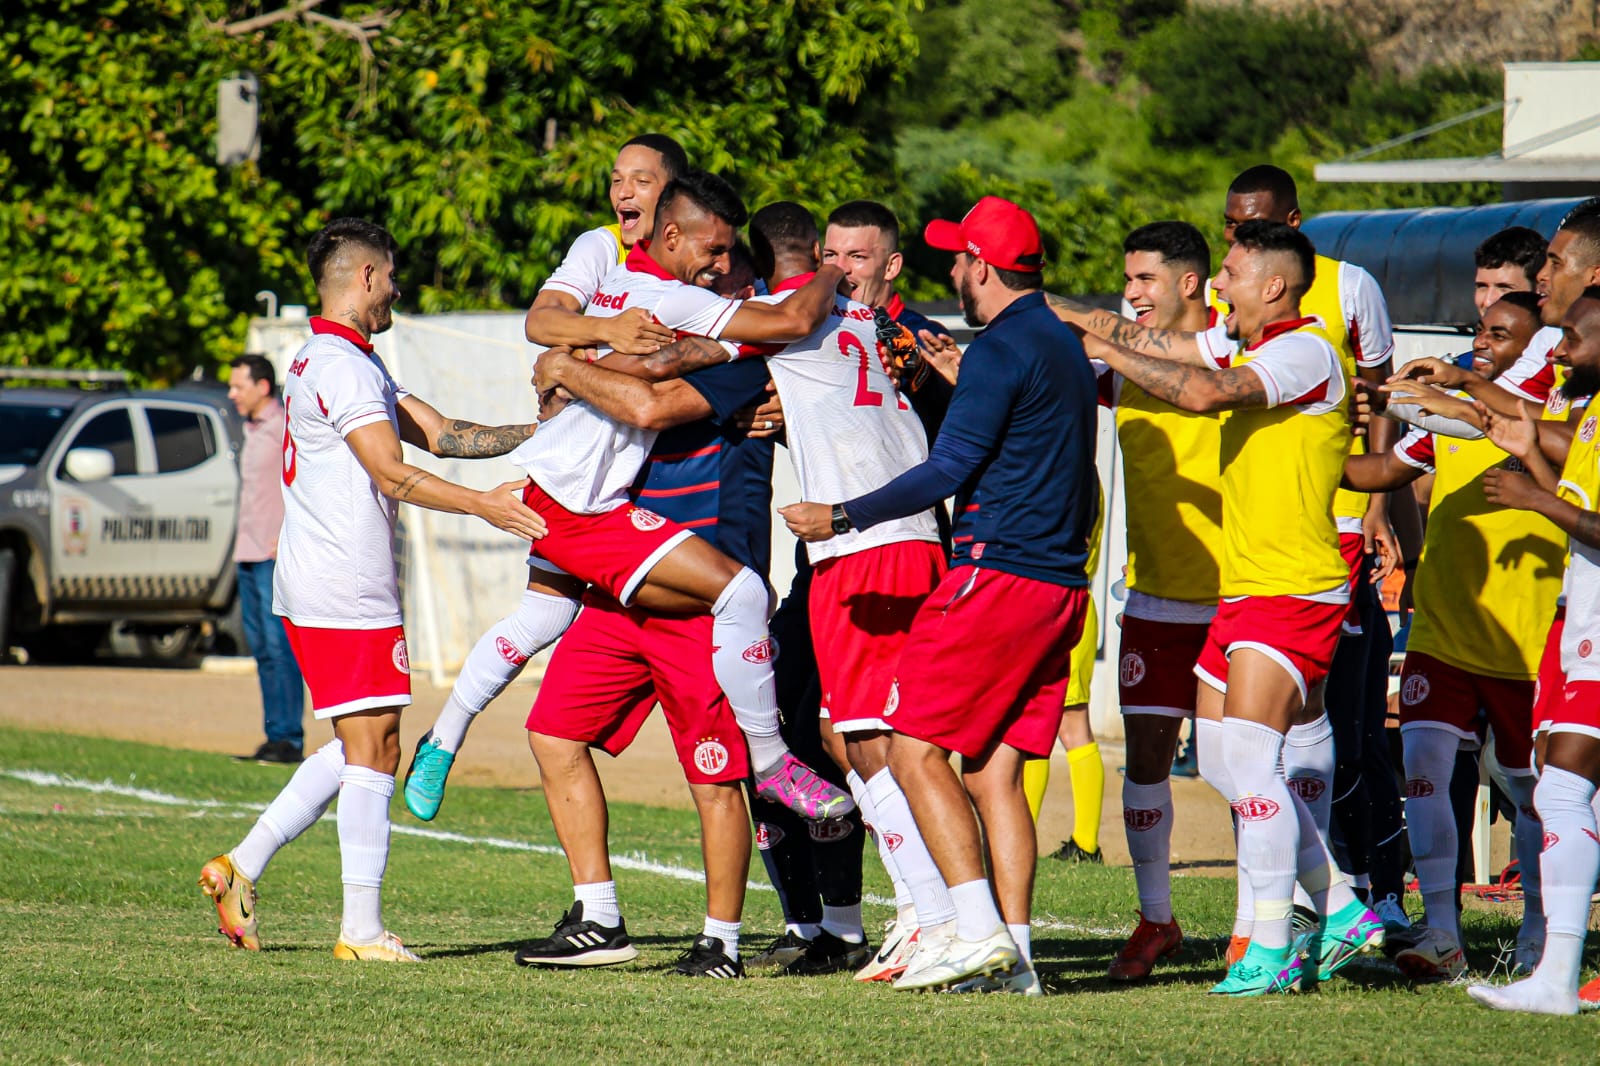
[[255, 551]]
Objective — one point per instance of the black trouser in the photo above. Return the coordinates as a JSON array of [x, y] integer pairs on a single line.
[[809, 863]]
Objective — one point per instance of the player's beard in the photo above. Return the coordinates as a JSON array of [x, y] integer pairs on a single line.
[[383, 318], [969, 302], [1581, 381]]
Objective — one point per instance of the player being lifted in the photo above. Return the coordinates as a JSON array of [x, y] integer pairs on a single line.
[[584, 463], [1284, 585], [336, 586]]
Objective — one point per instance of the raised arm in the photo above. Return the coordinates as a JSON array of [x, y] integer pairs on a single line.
[[557, 318], [1196, 388], [456, 438], [1170, 344], [377, 449], [791, 319]]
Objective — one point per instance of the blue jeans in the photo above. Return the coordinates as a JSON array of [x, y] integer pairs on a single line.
[[282, 690]]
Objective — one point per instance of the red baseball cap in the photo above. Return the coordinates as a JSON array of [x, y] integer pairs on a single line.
[[996, 231]]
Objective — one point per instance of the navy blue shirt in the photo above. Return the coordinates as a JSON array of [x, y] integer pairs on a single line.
[[709, 476], [1017, 450]]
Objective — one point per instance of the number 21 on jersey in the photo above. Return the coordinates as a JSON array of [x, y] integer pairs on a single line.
[[865, 396]]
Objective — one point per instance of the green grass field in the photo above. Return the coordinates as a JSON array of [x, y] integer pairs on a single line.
[[108, 951]]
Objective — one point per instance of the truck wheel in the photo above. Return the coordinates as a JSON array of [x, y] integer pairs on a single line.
[[171, 645], [8, 570]]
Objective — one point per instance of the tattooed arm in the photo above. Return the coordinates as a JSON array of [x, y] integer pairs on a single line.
[[1191, 388], [1170, 344], [377, 449], [456, 438]]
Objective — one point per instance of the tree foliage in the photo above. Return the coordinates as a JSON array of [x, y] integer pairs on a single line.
[[130, 247], [976, 61]]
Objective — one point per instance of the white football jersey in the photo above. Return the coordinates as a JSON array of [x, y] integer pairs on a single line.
[[587, 262], [336, 565], [850, 431], [1532, 376], [585, 460]]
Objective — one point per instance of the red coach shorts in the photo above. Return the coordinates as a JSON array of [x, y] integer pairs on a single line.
[[862, 606], [1437, 695], [1548, 694], [1353, 548], [352, 669], [1155, 674], [613, 551], [1578, 711], [1298, 634], [986, 662], [614, 664]]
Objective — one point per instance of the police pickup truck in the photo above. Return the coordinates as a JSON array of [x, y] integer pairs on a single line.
[[117, 510]]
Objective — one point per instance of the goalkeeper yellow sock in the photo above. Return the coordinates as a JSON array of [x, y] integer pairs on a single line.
[[1035, 778], [1088, 794]]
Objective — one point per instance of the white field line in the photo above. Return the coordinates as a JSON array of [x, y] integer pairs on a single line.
[[637, 862]]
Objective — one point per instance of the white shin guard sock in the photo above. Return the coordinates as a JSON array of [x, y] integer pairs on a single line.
[[294, 810], [498, 657], [869, 818], [1269, 825], [933, 900], [1315, 871], [1571, 864], [363, 849], [1430, 761], [741, 657], [1214, 770], [1147, 820], [1308, 766]]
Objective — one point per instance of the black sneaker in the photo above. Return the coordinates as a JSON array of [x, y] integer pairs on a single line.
[[829, 954], [706, 958], [1069, 851], [784, 950], [577, 942], [273, 751]]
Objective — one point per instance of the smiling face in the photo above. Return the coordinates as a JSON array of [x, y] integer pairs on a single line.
[[694, 245], [1491, 283], [1156, 289], [1567, 271], [636, 183], [869, 262], [1503, 332], [1579, 348]]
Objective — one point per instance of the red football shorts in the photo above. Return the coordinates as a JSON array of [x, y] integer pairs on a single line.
[[1548, 695], [1579, 709], [1437, 695], [1155, 674], [1353, 547], [611, 667], [986, 663], [1298, 634], [352, 669], [862, 606], [613, 551]]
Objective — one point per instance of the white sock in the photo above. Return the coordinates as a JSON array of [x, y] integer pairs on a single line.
[[869, 818], [1571, 863], [934, 902], [599, 899], [1325, 884], [1214, 770], [1147, 821], [844, 923], [976, 914], [1528, 842], [1269, 826], [805, 930], [1308, 766], [727, 932], [498, 657], [1430, 760], [1022, 935], [741, 656], [363, 849], [294, 810]]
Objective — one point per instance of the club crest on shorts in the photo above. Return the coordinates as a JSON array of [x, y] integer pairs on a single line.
[[892, 704], [1418, 787], [1584, 648], [1255, 808], [768, 836], [509, 651], [710, 756], [1586, 431], [1414, 690], [759, 652], [831, 830], [1550, 841], [400, 656], [1141, 819], [1131, 670], [1309, 789], [645, 521]]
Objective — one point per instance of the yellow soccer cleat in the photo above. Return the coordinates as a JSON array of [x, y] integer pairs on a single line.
[[387, 949], [235, 897]]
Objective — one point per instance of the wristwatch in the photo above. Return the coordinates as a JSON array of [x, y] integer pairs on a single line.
[[841, 521]]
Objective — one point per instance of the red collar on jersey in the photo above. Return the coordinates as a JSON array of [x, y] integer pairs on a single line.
[[895, 306], [798, 281], [1278, 329], [339, 329], [640, 261]]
